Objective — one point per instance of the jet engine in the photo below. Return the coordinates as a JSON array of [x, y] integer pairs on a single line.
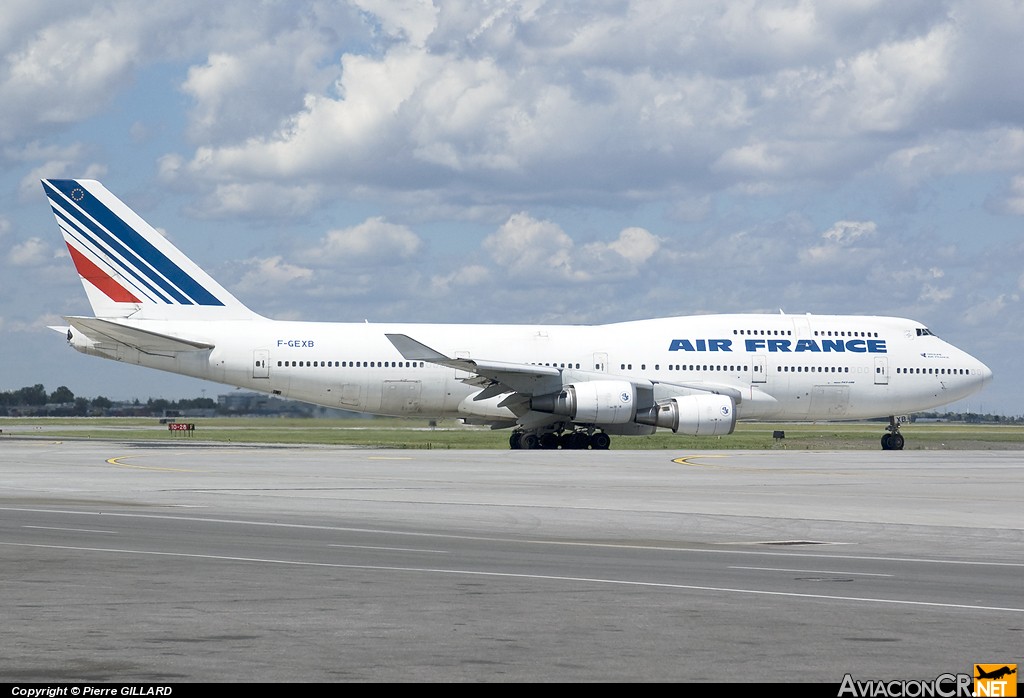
[[693, 415], [591, 402]]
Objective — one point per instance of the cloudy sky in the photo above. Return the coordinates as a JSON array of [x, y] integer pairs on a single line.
[[527, 161]]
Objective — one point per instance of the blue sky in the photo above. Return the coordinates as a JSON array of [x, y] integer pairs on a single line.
[[527, 162]]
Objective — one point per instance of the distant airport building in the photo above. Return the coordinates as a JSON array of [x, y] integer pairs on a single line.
[[244, 403]]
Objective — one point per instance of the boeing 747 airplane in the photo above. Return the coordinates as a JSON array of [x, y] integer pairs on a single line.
[[553, 386]]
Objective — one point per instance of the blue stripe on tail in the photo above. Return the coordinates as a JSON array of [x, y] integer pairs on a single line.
[[121, 237], [87, 238]]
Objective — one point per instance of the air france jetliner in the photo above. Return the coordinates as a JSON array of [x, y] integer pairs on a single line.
[[553, 385]]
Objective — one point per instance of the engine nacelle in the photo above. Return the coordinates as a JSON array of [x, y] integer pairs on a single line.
[[591, 402], [693, 415]]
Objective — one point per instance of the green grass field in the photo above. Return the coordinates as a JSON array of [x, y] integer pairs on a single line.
[[398, 433]]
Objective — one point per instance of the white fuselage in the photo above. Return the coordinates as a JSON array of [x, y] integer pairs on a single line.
[[783, 367]]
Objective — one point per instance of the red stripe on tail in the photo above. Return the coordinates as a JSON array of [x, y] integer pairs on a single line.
[[100, 279]]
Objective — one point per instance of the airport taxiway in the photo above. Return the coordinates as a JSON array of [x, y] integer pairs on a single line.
[[190, 562]]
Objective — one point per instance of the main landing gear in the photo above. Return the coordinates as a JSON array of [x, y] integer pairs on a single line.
[[574, 440], [893, 440]]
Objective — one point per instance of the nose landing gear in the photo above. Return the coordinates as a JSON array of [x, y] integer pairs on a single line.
[[893, 440]]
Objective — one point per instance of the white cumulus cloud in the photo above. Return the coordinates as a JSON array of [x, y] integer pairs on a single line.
[[374, 241], [30, 253]]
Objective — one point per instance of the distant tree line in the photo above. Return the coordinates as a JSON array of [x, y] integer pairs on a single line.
[[34, 400], [970, 417]]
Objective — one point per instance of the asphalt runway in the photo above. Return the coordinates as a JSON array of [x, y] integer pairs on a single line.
[[128, 562]]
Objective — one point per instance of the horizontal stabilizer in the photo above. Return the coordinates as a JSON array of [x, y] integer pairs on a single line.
[[146, 341]]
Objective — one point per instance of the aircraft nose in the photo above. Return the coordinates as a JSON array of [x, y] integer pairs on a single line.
[[986, 374]]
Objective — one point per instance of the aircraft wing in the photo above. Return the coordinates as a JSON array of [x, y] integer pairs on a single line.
[[495, 377], [146, 341]]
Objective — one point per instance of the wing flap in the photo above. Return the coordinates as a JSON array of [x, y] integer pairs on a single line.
[[492, 390]]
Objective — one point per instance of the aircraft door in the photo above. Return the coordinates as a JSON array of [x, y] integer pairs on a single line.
[[261, 363], [601, 362], [881, 370], [758, 369]]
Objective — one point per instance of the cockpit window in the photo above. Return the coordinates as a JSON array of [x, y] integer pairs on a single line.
[[924, 332]]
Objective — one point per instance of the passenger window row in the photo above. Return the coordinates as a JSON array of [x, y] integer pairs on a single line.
[[688, 367], [843, 333], [764, 333], [812, 369], [817, 333], [936, 371], [351, 364]]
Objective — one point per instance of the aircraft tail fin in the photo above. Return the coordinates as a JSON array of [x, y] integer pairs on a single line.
[[129, 269]]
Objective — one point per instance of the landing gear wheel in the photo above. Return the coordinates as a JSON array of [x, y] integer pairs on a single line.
[[514, 440], [575, 440], [529, 441], [893, 441], [600, 441], [549, 440]]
